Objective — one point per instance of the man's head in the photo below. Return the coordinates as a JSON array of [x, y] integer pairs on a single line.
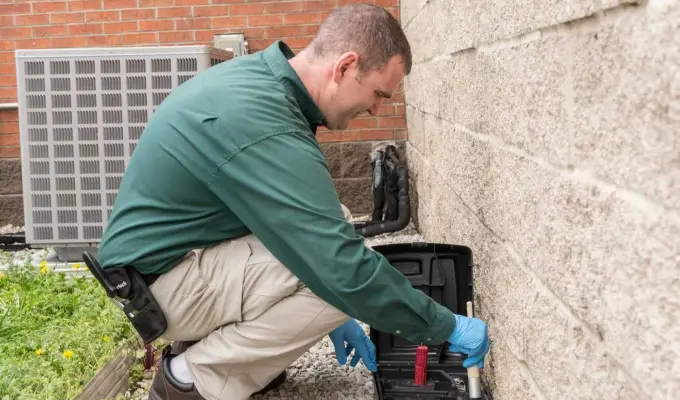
[[357, 59]]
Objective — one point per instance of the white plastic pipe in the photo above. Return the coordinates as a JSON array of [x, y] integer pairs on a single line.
[[9, 106]]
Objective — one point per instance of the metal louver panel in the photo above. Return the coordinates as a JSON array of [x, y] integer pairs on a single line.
[[81, 114]]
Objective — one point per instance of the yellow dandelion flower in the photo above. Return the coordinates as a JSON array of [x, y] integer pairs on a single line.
[[68, 354], [44, 269], [38, 351], [2, 275], [76, 266]]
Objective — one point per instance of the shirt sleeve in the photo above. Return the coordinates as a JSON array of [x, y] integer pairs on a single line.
[[281, 189]]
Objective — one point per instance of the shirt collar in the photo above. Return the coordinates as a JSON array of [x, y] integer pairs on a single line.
[[277, 56]]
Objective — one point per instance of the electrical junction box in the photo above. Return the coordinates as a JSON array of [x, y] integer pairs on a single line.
[[81, 113], [444, 273], [233, 42]]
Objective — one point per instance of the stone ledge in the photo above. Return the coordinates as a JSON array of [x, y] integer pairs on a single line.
[[10, 176], [11, 210]]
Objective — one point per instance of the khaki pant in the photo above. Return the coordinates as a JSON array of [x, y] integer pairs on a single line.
[[253, 318]]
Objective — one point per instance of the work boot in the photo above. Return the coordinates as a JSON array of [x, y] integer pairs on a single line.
[[167, 387]]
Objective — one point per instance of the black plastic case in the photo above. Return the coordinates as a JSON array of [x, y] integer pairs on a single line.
[[443, 272]]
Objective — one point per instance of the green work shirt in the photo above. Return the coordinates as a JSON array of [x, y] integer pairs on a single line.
[[232, 151]]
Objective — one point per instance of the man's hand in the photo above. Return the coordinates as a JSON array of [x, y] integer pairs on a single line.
[[356, 339], [471, 337]]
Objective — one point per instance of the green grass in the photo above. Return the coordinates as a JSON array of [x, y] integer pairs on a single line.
[[55, 332]]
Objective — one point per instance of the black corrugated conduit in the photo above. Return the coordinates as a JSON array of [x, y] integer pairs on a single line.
[[391, 205]]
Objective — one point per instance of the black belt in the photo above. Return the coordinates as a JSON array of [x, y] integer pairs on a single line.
[[149, 279]]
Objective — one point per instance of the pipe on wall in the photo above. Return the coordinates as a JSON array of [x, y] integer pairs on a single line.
[[9, 106]]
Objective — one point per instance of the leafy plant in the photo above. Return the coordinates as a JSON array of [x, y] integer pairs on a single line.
[[56, 331]]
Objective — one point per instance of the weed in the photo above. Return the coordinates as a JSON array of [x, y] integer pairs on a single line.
[[56, 332]]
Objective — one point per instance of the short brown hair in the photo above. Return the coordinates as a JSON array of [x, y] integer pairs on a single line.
[[371, 31]]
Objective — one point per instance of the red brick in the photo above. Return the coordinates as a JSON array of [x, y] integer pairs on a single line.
[[250, 33], [376, 135], [50, 7], [191, 2], [7, 45], [8, 95], [397, 122], [176, 37], [7, 33], [9, 140], [9, 128], [10, 152], [78, 41], [121, 27], [85, 5], [265, 20], [85, 29], [382, 110], [324, 5], [291, 30], [228, 22], [7, 57], [37, 19], [246, 9], [52, 30], [67, 18], [33, 43], [345, 2], [227, 1], [303, 18], [174, 12], [6, 9], [156, 3], [7, 68], [259, 44], [387, 3], [366, 123], [298, 42], [139, 14], [104, 40], [140, 38], [102, 16], [184, 24], [204, 37], [6, 20], [9, 116], [398, 98], [264, 8], [400, 110], [117, 4], [337, 136], [156, 25], [218, 11]]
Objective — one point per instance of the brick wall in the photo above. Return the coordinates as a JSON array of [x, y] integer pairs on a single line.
[[88, 23], [544, 135]]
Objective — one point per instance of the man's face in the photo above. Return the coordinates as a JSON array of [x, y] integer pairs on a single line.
[[355, 93]]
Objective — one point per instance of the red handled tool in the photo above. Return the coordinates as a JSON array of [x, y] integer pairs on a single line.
[[421, 365]]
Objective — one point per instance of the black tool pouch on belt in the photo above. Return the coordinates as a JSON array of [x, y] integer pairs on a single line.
[[126, 288]]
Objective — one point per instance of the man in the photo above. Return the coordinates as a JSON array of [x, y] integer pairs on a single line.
[[228, 209]]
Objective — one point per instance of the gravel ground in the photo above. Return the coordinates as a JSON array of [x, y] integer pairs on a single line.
[[316, 374]]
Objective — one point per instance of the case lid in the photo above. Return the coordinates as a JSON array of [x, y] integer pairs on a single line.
[[443, 272]]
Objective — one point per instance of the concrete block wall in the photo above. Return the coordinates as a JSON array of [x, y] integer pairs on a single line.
[[28, 24], [546, 136]]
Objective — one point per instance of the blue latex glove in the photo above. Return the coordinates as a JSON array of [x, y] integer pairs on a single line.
[[471, 337], [356, 339]]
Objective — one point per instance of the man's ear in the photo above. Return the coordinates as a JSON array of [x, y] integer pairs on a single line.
[[345, 63]]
